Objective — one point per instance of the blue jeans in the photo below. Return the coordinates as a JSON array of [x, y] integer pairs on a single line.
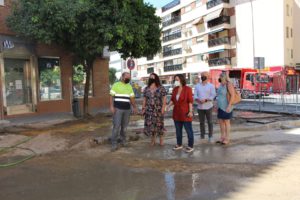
[[189, 130]]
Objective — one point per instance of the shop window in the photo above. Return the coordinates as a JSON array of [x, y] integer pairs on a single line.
[[50, 79], [79, 80]]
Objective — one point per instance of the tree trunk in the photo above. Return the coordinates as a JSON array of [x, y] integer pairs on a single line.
[[87, 66]]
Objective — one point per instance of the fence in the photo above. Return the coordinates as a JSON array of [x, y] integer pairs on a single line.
[[284, 97]]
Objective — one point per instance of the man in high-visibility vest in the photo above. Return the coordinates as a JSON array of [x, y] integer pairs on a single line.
[[121, 99]]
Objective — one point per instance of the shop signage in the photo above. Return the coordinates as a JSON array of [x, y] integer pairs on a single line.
[[7, 44]]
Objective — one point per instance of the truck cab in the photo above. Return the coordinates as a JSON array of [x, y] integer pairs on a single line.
[[255, 84]]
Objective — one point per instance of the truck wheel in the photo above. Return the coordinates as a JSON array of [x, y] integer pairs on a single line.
[[245, 95]]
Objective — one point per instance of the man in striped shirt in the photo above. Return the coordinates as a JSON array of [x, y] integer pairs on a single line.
[[121, 99]]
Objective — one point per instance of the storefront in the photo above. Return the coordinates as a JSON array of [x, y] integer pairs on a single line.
[[37, 79]]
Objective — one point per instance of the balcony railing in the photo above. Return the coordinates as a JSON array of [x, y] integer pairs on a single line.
[[172, 37], [218, 41], [170, 68], [214, 3], [172, 52], [218, 21], [219, 61], [171, 21]]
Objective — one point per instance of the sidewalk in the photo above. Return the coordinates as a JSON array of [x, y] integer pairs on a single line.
[[268, 107], [38, 121]]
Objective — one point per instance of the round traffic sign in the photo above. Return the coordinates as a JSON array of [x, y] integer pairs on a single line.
[[130, 64]]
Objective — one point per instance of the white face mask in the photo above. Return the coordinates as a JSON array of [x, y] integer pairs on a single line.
[[177, 83]]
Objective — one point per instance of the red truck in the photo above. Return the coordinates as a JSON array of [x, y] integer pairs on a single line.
[[248, 81]]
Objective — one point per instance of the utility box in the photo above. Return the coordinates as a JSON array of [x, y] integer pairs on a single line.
[[76, 108]]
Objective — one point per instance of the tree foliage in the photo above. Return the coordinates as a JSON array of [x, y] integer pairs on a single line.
[[112, 75], [85, 27]]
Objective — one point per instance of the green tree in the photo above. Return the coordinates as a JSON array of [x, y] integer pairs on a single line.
[[78, 74], [112, 75], [85, 27]]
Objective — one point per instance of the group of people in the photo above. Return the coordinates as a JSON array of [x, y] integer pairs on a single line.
[[182, 100]]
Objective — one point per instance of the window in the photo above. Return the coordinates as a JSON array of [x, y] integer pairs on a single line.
[[189, 42], [287, 32], [292, 53], [287, 10], [79, 80], [199, 3], [1, 2], [249, 77], [188, 8], [291, 32], [50, 79], [200, 39], [199, 57]]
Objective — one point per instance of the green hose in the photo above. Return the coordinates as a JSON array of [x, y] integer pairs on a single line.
[[15, 146]]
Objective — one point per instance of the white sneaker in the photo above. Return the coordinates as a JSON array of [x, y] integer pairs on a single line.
[[177, 147], [189, 149]]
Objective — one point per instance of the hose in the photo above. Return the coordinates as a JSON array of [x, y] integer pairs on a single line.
[[15, 146]]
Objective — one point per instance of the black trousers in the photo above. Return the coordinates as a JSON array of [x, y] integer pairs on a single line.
[[208, 115]]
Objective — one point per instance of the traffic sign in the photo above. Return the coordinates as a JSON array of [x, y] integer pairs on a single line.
[[259, 62], [130, 64]]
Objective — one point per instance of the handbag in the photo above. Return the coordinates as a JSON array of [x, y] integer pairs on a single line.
[[236, 95]]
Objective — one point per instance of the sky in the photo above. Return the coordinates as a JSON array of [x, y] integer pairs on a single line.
[[158, 3]]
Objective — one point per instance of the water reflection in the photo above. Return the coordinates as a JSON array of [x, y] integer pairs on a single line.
[[170, 185]]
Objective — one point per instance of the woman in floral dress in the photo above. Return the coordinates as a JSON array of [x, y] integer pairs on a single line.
[[154, 104]]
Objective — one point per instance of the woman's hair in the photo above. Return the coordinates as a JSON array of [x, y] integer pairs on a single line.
[[181, 78], [156, 80]]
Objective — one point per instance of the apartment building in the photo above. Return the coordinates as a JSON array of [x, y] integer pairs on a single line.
[[199, 35], [37, 79]]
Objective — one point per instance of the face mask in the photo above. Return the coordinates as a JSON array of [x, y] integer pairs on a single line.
[[151, 80], [127, 80], [177, 83], [203, 78], [219, 80]]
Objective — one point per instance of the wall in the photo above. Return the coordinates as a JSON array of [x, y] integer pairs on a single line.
[[296, 25], [4, 12], [268, 32]]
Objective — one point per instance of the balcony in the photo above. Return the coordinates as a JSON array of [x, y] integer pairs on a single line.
[[170, 68], [172, 52], [172, 37], [170, 5], [173, 20], [214, 3], [218, 21], [219, 61], [218, 41]]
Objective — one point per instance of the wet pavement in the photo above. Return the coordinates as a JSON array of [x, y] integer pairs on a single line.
[[143, 172]]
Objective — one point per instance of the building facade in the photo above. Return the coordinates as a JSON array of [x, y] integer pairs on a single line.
[[38, 78], [199, 35]]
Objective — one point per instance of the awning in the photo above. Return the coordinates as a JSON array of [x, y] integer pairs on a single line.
[[198, 21], [216, 51], [216, 31], [213, 15]]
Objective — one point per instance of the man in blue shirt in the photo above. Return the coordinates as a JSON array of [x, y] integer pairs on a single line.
[[204, 95]]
